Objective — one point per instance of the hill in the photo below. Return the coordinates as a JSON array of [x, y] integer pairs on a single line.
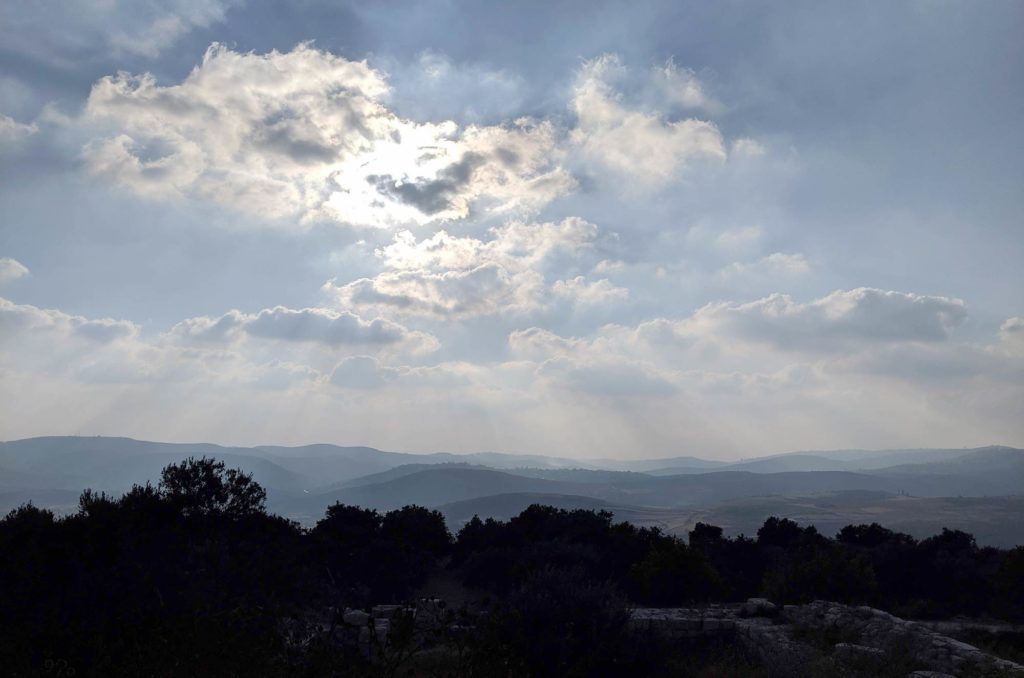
[[301, 482]]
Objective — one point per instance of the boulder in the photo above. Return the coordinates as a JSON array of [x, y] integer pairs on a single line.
[[758, 607], [858, 656], [385, 611], [355, 617]]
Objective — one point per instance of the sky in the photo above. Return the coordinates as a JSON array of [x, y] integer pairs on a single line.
[[590, 229]]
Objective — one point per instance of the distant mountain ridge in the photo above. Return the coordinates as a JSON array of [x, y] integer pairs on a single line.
[[302, 481]]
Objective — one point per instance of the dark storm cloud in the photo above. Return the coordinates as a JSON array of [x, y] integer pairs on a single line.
[[430, 196]]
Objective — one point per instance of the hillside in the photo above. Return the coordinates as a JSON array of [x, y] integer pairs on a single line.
[[303, 481]]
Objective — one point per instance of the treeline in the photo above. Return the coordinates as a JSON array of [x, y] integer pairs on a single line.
[[944, 575], [194, 577]]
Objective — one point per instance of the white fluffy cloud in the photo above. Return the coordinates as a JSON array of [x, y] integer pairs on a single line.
[[862, 331], [12, 131], [769, 266], [656, 379], [614, 378], [167, 21], [1011, 336], [309, 136], [60, 31], [313, 325], [515, 271], [597, 293], [38, 341], [483, 315], [312, 136], [25, 319], [643, 145], [833, 322], [11, 269], [680, 87], [852, 327], [275, 348]]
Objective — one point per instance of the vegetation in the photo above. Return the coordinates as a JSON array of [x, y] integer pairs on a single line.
[[194, 577]]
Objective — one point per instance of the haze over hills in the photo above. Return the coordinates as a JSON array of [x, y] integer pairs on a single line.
[[302, 481]]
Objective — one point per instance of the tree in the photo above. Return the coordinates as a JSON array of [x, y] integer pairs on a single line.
[[785, 534], [673, 574], [703, 536], [348, 526], [204, 487], [418, 530], [872, 536], [1009, 584]]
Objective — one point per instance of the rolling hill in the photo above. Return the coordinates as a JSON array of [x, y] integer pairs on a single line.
[[303, 481]]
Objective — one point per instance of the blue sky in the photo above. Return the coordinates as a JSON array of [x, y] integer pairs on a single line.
[[591, 229]]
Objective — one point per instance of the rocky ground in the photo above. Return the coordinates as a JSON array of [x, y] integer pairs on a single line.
[[823, 638], [816, 640]]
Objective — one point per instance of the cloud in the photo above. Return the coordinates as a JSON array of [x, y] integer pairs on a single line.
[[13, 132], [310, 137], [1011, 336], [161, 30], [11, 269], [611, 379], [589, 366], [747, 148], [539, 344], [314, 325], [597, 293], [450, 276], [38, 341], [932, 363], [645, 146], [833, 322], [731, 241], [27, 320], [363, 372], [314, 137], [282, 374], [774, 264], [514, 245], [270, 349], [434, 87], [483, 290], [367, 372], [862, 331], [67, 33], [435, 195], [679, 86], [322, 326], [206, 330]]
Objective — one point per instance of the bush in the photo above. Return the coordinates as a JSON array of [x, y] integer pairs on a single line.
[[672, 574], [556, 623]]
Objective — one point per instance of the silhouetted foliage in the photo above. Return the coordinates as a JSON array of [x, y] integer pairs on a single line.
[[1008, 585], [556, 622], [204, 487], [369, 558], [193, 577], [673, 574]]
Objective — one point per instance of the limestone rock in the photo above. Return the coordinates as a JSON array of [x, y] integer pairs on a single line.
[[858, 656], [385, 611], [758, 607], [355, 617]]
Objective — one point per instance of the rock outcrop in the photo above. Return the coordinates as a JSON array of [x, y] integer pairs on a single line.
[[799, 639]]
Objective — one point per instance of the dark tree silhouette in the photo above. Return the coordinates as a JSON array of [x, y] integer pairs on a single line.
[[193, 577], [204, 487]]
